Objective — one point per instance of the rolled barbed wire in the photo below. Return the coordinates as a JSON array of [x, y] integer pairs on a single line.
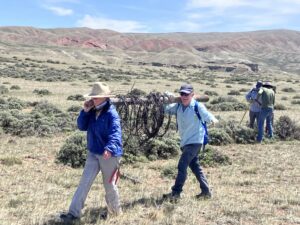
[[144, 117]]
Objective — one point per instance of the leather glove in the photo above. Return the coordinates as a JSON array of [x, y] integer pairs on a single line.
[[169, 95]]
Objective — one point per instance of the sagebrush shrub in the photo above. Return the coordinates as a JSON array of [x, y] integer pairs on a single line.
[[285, 128], [44, 120], [210, 157], [288, 90], [15, 87], [162, 148], [243, 135], [74, 151], [74, 108], [3, 90], [137, 92], [211, 93], [41, 92], [280, 106], [233, 92], [219, 137], [77, 97]]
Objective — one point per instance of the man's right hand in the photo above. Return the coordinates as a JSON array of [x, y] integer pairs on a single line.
[[169, 95], [87, 105]]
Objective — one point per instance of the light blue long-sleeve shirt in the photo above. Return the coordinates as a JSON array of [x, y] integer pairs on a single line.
[[190, 128], [252, 97]]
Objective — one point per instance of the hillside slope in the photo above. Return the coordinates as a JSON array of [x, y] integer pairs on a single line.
[[275, 49]]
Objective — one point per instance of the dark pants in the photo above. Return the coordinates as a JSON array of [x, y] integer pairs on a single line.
[[190, 158], [253, 116]]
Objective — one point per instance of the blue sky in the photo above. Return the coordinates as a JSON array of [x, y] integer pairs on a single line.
[[154, 16]]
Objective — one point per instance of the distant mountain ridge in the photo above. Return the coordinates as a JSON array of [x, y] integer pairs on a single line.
[[279, 49]]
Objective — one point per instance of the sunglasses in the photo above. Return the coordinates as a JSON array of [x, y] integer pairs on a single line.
[[184, 94]]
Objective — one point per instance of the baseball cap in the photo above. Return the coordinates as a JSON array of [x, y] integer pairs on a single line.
[[186, 88]]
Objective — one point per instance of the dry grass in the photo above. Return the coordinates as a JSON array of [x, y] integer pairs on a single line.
[[260, 187]]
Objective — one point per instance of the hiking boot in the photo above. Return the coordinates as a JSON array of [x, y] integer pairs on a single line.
[[171, 196], [68, 218], [204, 195]]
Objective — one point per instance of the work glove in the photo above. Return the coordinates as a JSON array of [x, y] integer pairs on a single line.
[[169, 95], [214, 121]]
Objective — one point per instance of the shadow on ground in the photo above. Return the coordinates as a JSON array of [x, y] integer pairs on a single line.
[[93, 215]]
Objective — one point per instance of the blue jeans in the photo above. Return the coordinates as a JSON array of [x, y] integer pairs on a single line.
[[265, 114], [253, 116], [190, 158]]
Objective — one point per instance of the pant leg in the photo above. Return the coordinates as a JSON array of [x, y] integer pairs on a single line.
[[91, 169], [256, 118], [261, 121], [252, 119], [188, 153], [198, 172], [108, 167], [269, 120]]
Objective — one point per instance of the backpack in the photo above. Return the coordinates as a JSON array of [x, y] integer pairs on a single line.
[[206, 136]]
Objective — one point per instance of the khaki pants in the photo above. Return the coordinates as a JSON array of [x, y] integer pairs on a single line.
[[93, 165]]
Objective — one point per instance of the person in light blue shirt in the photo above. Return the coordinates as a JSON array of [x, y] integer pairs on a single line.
[[191, 133], [255, 104]]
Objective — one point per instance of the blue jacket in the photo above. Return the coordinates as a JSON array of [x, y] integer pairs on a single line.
[[190, 128], [104, 132], [254, 99]]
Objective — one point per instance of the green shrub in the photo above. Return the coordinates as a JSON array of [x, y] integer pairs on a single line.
[[286, 129], [296, 97], [15, 87], [211, 93], [74, 108], [3, 90], [219, 137], [279, 107], [223, 99], [44, 120], [162, 148], [243, 135], [137, 92], [77, 97], [210, 157], [288, 90], [41, 92], [233, 92], [228, 106], [243, 90], [10, 161], [296, 102], [73, 152], [169, 172]]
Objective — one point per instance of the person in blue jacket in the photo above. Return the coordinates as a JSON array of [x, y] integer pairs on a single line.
[[104, 142], [191, 132]]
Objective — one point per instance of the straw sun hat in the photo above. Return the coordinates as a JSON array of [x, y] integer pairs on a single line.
[[100, 90]]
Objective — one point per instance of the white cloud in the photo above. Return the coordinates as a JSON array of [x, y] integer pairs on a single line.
[[117, 25], [60, 11], [235, 15], [192, 4]]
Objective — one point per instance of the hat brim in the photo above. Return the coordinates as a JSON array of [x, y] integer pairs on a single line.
[[99, 96], [268, 85], [185, 91]]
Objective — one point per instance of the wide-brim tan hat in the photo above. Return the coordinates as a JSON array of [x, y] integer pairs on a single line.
[[100, 90]]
